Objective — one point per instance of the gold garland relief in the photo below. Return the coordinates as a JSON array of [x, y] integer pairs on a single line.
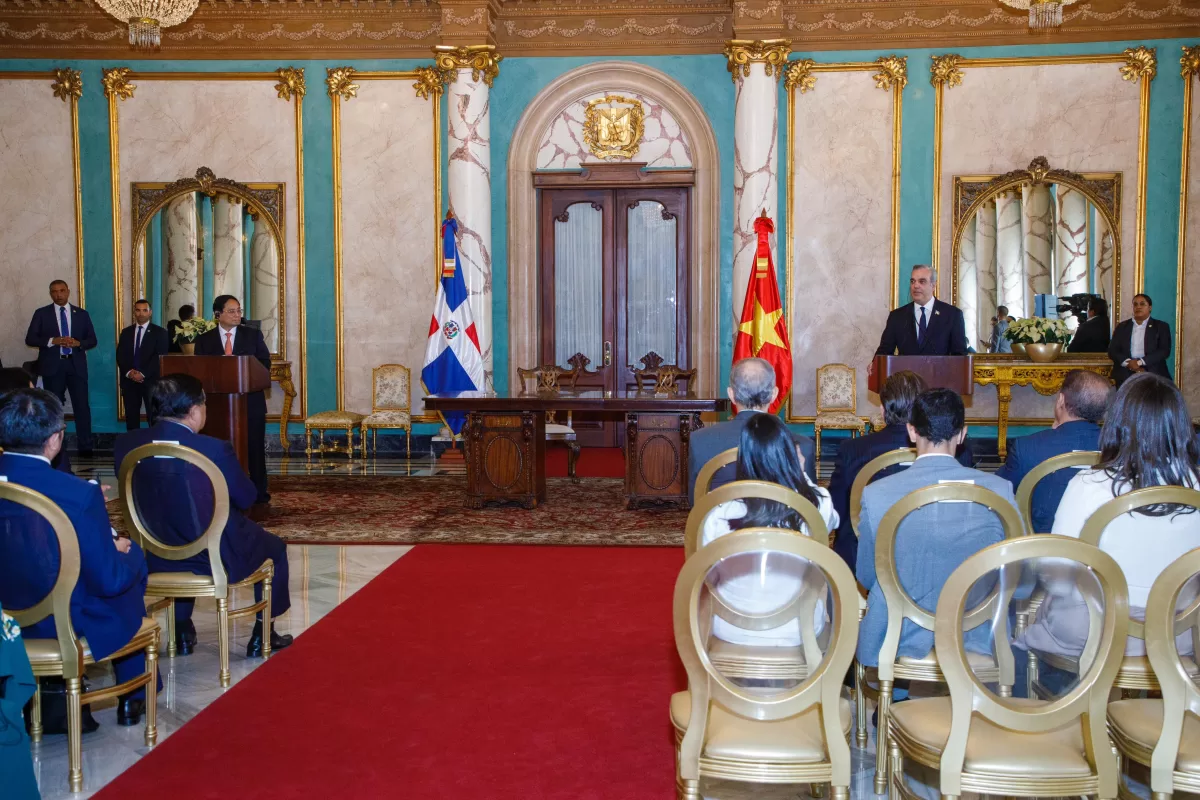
[[340, 82], [772, 54], [893, 72], [116, 83], [1141, 63], [1189, 64], [291, 82], [945, 71], [68, 83], [481, 59], [800, 75]]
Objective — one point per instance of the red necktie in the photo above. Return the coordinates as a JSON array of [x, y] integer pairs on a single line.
[[228, 343]]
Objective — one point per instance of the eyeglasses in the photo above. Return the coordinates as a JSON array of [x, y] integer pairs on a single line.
[[234, 311]]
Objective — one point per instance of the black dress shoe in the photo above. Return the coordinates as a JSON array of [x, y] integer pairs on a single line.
[[129, 711], [255, 646], [185, 637]]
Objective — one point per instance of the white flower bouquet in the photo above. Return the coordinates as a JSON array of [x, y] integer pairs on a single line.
[[189, 329], [1037, 330]]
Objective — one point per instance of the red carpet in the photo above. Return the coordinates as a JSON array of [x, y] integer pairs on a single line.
[[594, 462], [461, 672]]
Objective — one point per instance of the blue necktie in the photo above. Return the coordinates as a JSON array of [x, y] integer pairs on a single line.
[[922, 329], [137, 346], [65, 329]]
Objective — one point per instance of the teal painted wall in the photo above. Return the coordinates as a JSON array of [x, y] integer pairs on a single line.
[[519, 82]]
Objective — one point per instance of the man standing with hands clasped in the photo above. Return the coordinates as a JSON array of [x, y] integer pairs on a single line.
[[63, 333], [138, 350], [1141, 344]]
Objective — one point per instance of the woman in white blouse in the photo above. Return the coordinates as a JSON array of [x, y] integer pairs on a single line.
[[1147, 440], [764, 583]]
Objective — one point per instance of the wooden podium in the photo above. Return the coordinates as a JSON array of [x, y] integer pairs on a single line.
[[227, 380], [940, 372]]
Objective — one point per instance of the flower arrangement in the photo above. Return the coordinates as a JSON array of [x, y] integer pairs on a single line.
[[1037, 330], [189, 329]]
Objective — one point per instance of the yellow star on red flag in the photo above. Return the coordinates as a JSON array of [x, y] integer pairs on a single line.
[[761, 328]]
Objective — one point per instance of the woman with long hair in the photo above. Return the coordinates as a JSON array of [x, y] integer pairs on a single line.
[[766, 452]]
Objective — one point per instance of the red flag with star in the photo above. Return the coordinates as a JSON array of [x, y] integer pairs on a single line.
[[763, 332]]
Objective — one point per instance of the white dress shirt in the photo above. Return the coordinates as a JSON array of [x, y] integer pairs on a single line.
[[58, 322], [928, 315], [232, 332], [138, 330], [1137, 342]]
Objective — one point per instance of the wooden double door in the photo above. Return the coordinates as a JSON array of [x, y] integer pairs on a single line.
[[614, 286]]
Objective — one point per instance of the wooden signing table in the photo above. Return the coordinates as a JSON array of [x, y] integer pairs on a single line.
[[506, 441]]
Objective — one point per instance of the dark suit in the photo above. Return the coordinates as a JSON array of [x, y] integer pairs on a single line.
[[108, 604], [853, 455], [1092, 336], [145, 360], [716, 439], [65, 373], [247, 342], [945, 333], [244, 545], [172, 345], [1026, 452], [1158, 349]]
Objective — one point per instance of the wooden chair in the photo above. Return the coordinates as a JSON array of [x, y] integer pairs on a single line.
[[1005, 746], [722, 730], [664, 378], [172, 585], [999, 668], [67, 655], [391, 405], [549, 379], [711, 468], [1164, 734], [837, 403]]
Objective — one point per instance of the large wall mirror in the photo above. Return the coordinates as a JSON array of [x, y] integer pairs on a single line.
[[1031, 232], [198, 238]]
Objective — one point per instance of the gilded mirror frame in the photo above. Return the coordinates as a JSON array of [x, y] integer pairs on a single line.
[[266, 200], [1102, 189]]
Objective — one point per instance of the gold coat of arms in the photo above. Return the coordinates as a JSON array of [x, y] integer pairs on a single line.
[[613, 126]]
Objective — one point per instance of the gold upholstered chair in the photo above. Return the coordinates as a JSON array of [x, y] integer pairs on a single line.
[[837, 404], [340, 420], [1004, 746], [711, 468], [391, 405], [1164, 733], [172, 585], [794, 733], [550, 379], [999, 667], [67, 655]]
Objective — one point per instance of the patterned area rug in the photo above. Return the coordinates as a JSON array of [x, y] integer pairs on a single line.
[[393, 510]]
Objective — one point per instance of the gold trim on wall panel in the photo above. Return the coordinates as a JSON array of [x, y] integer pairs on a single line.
[[1141, 65], [291, 86], [1189, 67]]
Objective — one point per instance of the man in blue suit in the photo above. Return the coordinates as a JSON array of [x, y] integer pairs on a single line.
[[1079, 410], [177, 405], [17, 378], [108, 604], [63, 333]]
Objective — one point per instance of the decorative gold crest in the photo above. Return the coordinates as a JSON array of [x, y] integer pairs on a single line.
[[613, 126]]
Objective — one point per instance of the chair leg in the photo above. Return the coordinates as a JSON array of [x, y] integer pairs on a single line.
[[860, 705], [266, 614], [1031, 673], [896, 765], [408, 442], [817, 436], [308, 443], [171, 651], [881, 737], [152, 693], [816, 790], [686, 789], [74, 734], [35, 713], [840, 793], [223, 639], [572, 459]]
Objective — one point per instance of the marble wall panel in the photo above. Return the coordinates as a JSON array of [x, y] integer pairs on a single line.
[[388, 269], [664, 144], [1189, 325], [241, 130], [37, 239], [841, 230]]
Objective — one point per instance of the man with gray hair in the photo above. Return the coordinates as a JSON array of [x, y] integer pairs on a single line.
[[752, 389]]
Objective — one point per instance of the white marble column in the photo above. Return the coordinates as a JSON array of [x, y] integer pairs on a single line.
[[181, 270], [264, 266], [968, 285], [1071, 242], [1037, 222], [469, 178], [228, 252], [985, 265], [1010, 261]]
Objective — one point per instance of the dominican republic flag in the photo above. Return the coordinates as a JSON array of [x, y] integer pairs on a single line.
[[452, 359]]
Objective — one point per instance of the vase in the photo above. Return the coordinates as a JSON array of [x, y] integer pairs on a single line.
[[1043, 353], [188, 348], [1018, 350]]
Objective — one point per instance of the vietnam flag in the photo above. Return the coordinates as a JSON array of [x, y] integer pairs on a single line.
[[763, 331]]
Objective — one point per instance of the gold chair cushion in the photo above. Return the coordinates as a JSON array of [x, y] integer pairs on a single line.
[[555, 429], [839, 419], [794, 740], [990, 748], [387, 419], [1140, 665], [1141, 721], [334, 419], [977, 661], [178, 580], [721, 651], [45, 653]]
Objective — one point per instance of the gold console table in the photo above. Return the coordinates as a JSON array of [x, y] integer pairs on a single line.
[[281, 373], [1006, 371]]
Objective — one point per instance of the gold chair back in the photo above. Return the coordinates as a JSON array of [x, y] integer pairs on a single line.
[[391, 388], [1086, 701], [210, 540], [1081, 458], [823, 683], [903, 455], [711, 467], [58, 601], [743, 490]]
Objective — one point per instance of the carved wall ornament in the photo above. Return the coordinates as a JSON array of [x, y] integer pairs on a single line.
[[893, 72], [481, 59], [771, 7], [772, 54], [945, 71], [116, 83], [1189, 63], [147, 201], [613, 126], [431, 81], [68, 83], [291, 82], [340, 82], [800, 75], [1140, 63]]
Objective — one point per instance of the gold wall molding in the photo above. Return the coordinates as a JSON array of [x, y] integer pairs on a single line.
[[429, 83], [1189, 68], [890, 73], [771, 53], [1141, 65], [481, 59]]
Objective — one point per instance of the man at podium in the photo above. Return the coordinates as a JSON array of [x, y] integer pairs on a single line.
[[924, 327], [232, 338]]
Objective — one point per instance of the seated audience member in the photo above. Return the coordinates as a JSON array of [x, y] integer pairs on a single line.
[[932, 542], [998, 343], [766, 452], [752, 389], [1146, 441], [16, 762], [178, 407], [17, 378], [108, 604], [1093, 334], [897, 395], [1078, 411]]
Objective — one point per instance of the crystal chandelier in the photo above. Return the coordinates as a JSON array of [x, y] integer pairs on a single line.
[[1044, 15], [147, 18]]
